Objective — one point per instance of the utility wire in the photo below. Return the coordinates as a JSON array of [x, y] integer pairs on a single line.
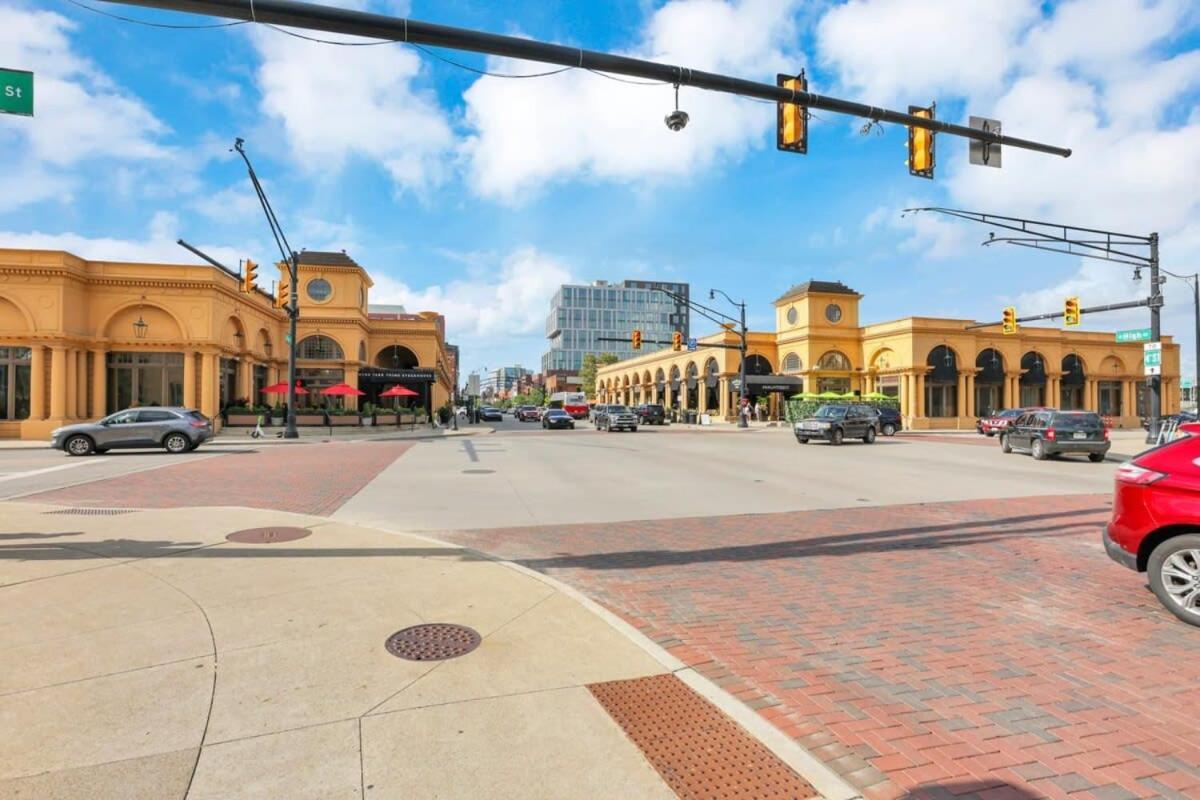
[[148, 24]]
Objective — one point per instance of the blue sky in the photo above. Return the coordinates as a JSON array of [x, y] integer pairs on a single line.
[[476, 196]]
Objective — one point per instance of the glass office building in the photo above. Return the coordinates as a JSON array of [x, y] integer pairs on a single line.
[[582, 316]]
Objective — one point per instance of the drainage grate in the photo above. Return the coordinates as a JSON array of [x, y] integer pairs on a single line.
[[478, 471], [93, 512], [268, 535], [697, 750], [432, 642]]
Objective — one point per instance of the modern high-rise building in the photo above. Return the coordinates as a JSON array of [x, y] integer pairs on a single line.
[[581, 316]]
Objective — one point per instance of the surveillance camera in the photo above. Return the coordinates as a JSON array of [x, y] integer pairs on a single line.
[[677, 120]]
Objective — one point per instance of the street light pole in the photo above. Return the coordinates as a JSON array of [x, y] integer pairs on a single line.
[[742, 394]]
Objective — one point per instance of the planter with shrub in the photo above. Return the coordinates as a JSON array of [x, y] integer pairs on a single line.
[[245, 416], [339, 417]]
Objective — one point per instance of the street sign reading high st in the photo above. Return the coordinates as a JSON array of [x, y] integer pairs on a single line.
[[16, 92], [1135, 335]]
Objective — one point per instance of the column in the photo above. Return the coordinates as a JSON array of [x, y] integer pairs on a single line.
[[99, 383], [905, 399], [723, 390], [208, 384], [272, 374], [667, 401], [920, 404], [352, 379], [1007, 401], [1126, 399], [72, 378], [189, 380], [960, 410], [37, 382], [58, 382], [245, 385], [702, 390], [81, 384]]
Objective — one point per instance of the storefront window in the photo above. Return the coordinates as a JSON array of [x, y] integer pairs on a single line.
[[144, 379], [228, 392], [1110, 398], [260, 383], [14, 382], [314, 380], [320, 348]]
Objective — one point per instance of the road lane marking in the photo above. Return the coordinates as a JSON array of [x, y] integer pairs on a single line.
[[15, 476]]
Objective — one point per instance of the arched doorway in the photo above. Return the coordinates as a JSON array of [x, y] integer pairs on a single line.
[[1074, 380], [693, 387], [313, 377], [397, 356], [941, 383], [712, 392], [676, 385], [1033, 380], [989, 382], [834, 368], [1109, 393]]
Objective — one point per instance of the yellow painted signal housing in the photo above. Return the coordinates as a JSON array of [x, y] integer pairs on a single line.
[[249, 277], [1071, 312], [676, 341], [792, 128], [283, 295], [636, 340], [920, 144], [1009, 325]]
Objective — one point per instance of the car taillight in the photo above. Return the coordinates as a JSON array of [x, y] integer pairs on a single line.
[[1051, 434], [1138, 476], [199, 423], [1106, 434]]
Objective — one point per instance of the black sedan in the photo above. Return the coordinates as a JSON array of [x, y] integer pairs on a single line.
[[557, 418]]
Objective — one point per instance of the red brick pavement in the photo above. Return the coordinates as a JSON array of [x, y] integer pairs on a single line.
[[309, 479], [977, 649]]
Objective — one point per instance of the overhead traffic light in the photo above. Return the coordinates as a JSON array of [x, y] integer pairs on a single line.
[[249, 277], [636, 340], [1071, 313], [920, 144], [676, 341], [792, 129], [1009, 326], [281, 298]]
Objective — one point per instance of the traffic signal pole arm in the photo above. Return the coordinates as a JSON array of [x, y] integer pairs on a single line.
[[411, 31], [1057, 314]]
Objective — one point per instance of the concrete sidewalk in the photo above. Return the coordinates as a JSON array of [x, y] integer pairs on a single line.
[[147, 656]]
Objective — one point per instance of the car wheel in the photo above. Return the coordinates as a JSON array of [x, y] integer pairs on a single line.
[[633, 429], [889, 429], [869, 438], [1095, 458], [1174, 572], [990, 434], [1005, 447], [836, 437], [1038, 450], [801, 440], [177, 443], [79, 446]]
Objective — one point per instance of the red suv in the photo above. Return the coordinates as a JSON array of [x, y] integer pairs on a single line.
[[1155, 525]]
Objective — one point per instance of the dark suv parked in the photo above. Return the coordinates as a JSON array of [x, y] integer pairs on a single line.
[[835, 423], [1046, 433], [889, 421], [651, 414]]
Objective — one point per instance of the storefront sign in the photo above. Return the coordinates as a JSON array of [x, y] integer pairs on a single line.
[[376, 375]]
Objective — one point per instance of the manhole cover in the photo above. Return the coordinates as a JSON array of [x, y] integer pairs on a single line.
[[268, 535], [433, 642], [478, 471]]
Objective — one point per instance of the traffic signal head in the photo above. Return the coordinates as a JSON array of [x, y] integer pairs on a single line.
[[249, 277], [281, 299], [676, 341], [792, 128], [1071, 315], [1009, 325], [920, 144], [636, 340]]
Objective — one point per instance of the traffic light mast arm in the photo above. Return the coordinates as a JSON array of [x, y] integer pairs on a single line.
[[411, 31], [1057, 314], [701, 309]]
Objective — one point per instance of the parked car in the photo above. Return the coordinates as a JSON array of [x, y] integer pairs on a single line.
[[995, 423], [175, 429], [651, 414], [837, 422], [889, 421], [490, 414], [615, 418], [596, 410], [557, 418], [1179, 419], [527, 413], [1046, 433], [1155, 523]]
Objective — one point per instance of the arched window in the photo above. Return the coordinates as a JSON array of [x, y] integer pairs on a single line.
[[1033, 380], [791, 363], [1074, 379], [941, 383], [320, 348], [834, 360]]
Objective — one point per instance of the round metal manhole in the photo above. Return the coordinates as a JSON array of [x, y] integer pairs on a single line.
[[268, 535], [478, 471], [433, 642]]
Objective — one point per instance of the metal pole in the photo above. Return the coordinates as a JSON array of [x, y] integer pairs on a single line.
[[290, 431], [1196, 352], [411, 31], [742, 373], [1154, 382]]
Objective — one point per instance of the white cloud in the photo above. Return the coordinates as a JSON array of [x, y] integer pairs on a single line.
[[335, 103], [510, 302], [529, 132]]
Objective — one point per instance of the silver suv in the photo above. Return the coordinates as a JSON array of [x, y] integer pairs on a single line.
[[177, 430], [614, 418]]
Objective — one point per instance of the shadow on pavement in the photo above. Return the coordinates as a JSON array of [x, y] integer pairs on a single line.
[[135, 548], [924, 537], [38, 535], [971, 790]]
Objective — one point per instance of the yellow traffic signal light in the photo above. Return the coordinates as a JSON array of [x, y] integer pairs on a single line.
[[281, 299], [1009, 326], [249, 276], [920, 144], [677, 341], [636, 340], [792, 128], [1071, 313]]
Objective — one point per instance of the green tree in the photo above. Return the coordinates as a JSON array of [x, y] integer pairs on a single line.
[[587, 373]]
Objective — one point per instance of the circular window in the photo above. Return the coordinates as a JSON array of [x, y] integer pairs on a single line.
[[792, 316], [319, 290], [833, 312]]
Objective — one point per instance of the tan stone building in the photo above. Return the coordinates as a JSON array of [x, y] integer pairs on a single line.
[[943, 375], [80, 339]]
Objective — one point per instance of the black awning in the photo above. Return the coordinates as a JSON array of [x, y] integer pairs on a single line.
[[774, 383]]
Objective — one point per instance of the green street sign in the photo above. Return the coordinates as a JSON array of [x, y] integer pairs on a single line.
[[1135, 335], [16, 92], [1186, 383]]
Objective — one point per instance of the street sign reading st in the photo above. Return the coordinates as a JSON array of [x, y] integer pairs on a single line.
[[16, 92], [1152, 357], [1135, 335]]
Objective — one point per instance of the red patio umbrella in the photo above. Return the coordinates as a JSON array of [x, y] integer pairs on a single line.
[[282, 388], [398, 391], [342, 390]]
